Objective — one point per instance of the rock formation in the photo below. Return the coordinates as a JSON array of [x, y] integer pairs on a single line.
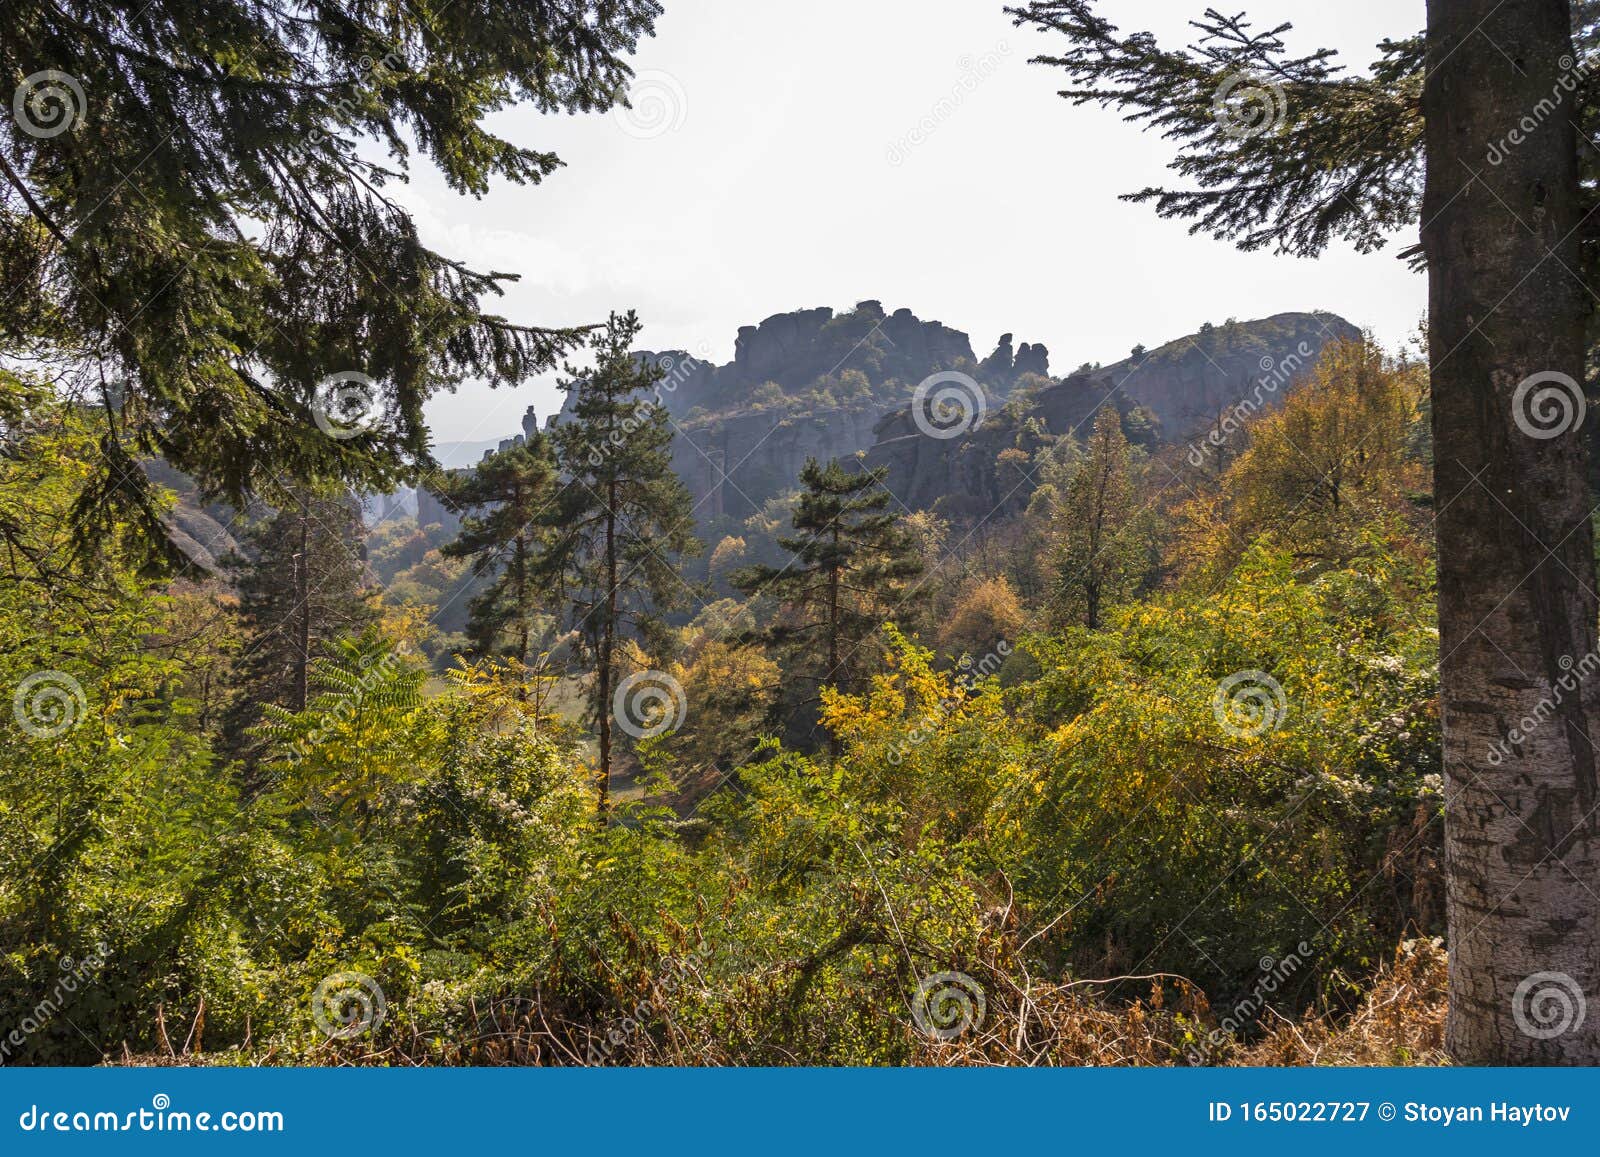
[[1169, 394]]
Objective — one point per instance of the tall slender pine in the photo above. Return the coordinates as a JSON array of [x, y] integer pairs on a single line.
[[623, 518], [851, 558]]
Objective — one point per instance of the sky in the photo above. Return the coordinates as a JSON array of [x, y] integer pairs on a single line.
[[785, 156]]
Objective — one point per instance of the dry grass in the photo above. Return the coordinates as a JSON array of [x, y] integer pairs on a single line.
[[1399, 1022]]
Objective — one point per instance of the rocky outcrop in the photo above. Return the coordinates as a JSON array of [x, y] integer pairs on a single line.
[[746, 428], [1188, 383], [202, 531], [733, 464], [1031, 359], [1001, 369], [1169, 394]]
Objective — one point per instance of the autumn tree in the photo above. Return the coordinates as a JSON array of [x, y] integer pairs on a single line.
[[1472, 128], [986, 613], [623, 519], [1334, 465], [1104, 529]]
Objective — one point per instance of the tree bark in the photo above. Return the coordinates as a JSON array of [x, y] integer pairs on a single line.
[[302, 595], [833, 636], [607, 646], [1517, 605]]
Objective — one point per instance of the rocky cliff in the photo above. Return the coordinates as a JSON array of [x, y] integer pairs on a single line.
[[810, 383], [1170, 394]]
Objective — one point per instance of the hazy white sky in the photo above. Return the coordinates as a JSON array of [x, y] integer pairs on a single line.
[[775, 162]]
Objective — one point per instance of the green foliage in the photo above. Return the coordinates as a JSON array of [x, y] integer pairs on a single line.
[[622, 518], [1294, 156], [1215, 775], [508, 499], [1106, 527], [202, 226], [304, 587], [851, 558]]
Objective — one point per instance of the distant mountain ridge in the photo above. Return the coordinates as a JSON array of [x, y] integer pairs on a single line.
[[810, 383], [813, 383], [1173, 393]]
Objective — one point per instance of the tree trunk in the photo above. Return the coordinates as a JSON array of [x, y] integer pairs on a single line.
[[302, 597], [521, 597], [607, 646], [1517, 606], [833, 637]]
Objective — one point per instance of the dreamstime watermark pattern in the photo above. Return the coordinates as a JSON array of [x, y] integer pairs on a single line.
[[48, 704], [649, 703], [75, 974], [1547, 1005], [970, 673], [1249, 704], [974, 71], [346, 108], [676, 371], [48, 103], [657, 104], [1573, 73], [346, 404], [1246, 106], [1574, 674], [346, 1004], [1245, 1010], [947, 1004], [675, 970], [1276, 373], [1548, 404], [948, 404]]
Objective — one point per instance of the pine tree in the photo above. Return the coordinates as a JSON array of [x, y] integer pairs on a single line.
[[194, 213], [623, 518], [851, 559], [507, 501], [1472, 129], [304, 589], [1104, 547]]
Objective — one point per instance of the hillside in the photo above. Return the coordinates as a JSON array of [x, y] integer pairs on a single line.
[[1173, 393]]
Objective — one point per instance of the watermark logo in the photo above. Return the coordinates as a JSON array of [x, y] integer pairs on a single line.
[[47, 104], [48, 704], [1573, 74], [346, 404], [1274, 974], [656, 105], [675, 972], [1548, 404], [75, 974], [648, 704], [1246, 106], [347, 1004], [973, 72], [970, 673], [675, 372], [1573, 676], [1547, 1005], [1249, 704], [1275, 374], [947, 1004], [948, 404]]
